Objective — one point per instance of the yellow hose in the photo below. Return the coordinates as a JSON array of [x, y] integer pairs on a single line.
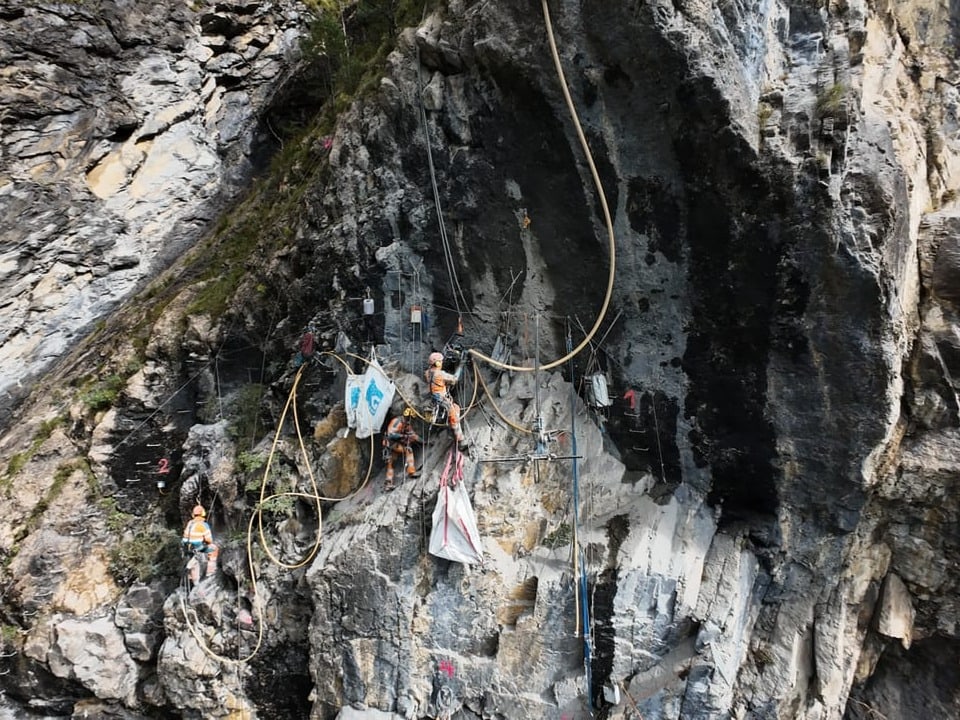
[[606, 216]]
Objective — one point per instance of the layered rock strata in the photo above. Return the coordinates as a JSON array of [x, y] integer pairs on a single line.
[[766, 507]]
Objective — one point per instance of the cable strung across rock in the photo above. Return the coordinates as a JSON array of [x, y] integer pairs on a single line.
[[606, 216], [458, 296], [444, 238]]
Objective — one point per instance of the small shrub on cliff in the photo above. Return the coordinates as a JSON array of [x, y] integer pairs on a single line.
[[830, 100], [250, 461], [9, 635], [351, 41], [20, 459], [147, 555], [280, 505], [116, 520], [104, 394], [245, 412]]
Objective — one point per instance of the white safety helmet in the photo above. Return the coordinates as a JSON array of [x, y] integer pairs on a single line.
[[435, 358]]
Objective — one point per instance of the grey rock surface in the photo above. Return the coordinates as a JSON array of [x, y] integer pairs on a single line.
[[127, 128], [766, 509]]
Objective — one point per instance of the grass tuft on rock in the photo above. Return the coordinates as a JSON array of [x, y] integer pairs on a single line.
[[145, 555]]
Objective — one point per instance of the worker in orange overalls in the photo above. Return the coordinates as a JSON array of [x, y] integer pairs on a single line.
[[397, 439], [438, 380], [197, 538]]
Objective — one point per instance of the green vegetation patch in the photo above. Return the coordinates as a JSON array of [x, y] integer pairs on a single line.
[[260, 224], [830, 100], [151, 552], [60, 477], [9, 635], [104, 393], [245, 414], [559, 537], [16, 463], [280, 505], [115, 519], [250, 461]]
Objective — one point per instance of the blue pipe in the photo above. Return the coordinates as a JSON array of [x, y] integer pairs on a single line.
[[584, 610]]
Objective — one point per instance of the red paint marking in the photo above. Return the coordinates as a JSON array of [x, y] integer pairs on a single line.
[[446, 667], [163, 467]]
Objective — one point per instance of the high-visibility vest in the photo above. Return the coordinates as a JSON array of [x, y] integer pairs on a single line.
[[438, 386], [395, 428], [197, 532], [398, 431]]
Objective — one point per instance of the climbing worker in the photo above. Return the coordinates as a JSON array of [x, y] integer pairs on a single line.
[[306, 348], [197, 538], [397, 440], [307, 344], [438, 379]]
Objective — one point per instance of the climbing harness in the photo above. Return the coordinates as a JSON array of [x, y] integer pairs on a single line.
[[452, 487]]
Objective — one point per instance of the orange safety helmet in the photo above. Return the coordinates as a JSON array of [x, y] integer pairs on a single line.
[[198, 511], [435, 358]]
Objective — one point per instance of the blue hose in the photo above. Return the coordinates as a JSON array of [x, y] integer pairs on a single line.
[[584, 609]]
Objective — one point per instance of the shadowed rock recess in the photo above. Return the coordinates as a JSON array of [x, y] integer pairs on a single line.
[[760, 524]]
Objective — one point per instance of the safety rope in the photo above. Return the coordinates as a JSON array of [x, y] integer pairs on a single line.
[[455, 287], [257, 516], [409, 403], [473, 394], [458, 295], [258, 511], [315, 495], [606, 216], [493, 404], [446, 478]]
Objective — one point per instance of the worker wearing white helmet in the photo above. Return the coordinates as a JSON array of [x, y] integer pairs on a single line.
[[438, 380]]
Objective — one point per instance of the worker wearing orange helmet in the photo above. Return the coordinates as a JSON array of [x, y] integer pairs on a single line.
[[197, 538], [438, 380], [397, 439]]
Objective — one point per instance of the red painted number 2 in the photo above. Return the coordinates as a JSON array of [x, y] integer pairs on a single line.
[[163, 467]]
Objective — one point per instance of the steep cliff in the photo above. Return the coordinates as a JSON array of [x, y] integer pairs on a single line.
[[763, 514], [127, 127]]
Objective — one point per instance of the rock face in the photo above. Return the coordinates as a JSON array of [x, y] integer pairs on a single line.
[[126, 128], [763, 513]]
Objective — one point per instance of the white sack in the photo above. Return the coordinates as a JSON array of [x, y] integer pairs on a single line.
[[455, 535]]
